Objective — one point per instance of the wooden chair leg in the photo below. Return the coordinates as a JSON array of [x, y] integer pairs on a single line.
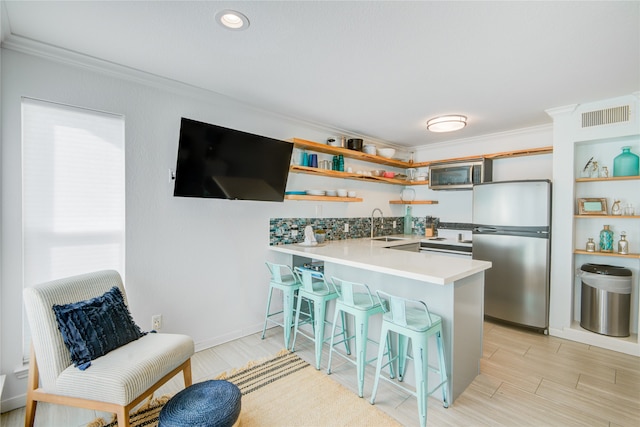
[[32, 384], [123, 417], [186, 373], [30, 414]]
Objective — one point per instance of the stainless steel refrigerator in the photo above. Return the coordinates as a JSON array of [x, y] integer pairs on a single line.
[[512, 228]]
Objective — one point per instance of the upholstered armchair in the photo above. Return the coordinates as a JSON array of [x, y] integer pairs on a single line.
[[90, 317]]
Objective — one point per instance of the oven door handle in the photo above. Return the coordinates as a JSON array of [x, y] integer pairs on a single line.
[[445, 251]]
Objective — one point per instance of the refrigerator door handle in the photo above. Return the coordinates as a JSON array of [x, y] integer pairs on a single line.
[[483, 230]]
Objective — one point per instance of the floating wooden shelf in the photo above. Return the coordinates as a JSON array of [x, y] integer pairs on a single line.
[[322, 198], [499, 155], [352, 154], [611, 178], [612, 254], [351, 175], [414, 202]]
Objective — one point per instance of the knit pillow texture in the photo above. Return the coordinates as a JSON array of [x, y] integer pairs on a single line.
[[94, 327]]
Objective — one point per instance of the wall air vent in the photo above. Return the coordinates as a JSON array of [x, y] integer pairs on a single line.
[[606, 116]]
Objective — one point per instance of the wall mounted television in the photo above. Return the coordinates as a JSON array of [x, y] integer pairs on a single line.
[[217, 162]]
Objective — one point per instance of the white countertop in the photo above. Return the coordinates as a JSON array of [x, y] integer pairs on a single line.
[[376, 256]]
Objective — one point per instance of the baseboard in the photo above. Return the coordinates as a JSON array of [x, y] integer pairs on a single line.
[[234, 335], [14, 402]]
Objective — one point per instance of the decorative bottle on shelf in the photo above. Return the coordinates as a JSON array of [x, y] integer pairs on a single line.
[[408, 219], [606, 240], [591, 246], [623, 243], [615, 208], [626, 163]]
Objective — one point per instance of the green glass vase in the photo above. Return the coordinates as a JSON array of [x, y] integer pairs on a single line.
[[626, 163]]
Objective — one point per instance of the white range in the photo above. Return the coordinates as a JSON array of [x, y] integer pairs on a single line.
[[452, 242]]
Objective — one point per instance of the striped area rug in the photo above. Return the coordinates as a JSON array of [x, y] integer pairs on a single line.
[[284, 391]]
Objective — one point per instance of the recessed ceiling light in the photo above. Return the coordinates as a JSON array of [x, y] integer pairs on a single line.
[[232, 19], [446, 123]]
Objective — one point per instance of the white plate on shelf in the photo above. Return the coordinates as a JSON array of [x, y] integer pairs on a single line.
[[332, 193], [316, 192]]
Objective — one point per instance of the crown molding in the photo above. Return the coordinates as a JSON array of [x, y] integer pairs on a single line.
[[475, 139], [111, 69]]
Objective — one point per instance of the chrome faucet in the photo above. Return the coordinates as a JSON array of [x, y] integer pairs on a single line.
[[381, 218]]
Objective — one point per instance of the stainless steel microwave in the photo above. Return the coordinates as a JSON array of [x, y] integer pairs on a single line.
[[459, 175]]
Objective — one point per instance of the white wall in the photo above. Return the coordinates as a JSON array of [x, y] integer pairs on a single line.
[[197, 262], [455, 206], [200, 263]]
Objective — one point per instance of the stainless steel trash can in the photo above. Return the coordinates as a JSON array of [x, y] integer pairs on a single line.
[[606, 299]]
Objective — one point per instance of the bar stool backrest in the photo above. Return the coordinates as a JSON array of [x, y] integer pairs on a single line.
[[346, 291], [281, 273], [398, 308], [312, 281]]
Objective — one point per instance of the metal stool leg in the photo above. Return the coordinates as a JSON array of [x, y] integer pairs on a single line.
[[421, 366], [443, 370], [266, 316], [384, 334]]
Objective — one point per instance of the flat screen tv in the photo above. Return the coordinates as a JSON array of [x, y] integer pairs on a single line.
[[222, 163]]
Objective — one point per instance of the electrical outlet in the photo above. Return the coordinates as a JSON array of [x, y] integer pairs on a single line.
[[294, 233], [156, 322], [394, 224], [346, 227]]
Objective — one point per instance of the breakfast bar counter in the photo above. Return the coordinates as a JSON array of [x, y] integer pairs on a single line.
[[452, 288]]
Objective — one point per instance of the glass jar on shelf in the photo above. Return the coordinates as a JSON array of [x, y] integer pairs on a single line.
[[591, 245], [623, 243]]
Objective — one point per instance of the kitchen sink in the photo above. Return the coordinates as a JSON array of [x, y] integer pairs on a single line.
[[387, 239]]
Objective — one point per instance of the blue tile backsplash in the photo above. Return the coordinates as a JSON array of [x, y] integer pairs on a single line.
[[280, 228]]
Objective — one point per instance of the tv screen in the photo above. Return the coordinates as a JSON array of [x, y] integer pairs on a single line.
[[223, 163]]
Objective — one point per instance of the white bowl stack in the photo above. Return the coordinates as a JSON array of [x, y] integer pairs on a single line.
[[386, 152]]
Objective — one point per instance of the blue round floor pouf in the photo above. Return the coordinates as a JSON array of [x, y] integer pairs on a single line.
[[213, 403]]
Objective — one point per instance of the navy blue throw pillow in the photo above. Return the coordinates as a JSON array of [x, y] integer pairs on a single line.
[[93, 328]]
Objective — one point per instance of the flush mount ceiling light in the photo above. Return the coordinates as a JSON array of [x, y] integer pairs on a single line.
[[232, 19], [447, 123]]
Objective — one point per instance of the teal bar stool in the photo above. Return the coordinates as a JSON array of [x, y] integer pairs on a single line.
[[356, 300], [411, 320], [283, 279], [316, 291]]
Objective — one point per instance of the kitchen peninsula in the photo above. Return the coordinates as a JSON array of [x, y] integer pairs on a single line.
[[452, 288]]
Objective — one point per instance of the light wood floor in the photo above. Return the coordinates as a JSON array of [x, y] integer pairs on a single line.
[[526, 379]]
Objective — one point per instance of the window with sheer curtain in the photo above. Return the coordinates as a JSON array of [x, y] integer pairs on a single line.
[[73, 193]]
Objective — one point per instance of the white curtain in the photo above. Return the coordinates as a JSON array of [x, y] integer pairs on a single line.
[[73, 192]]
